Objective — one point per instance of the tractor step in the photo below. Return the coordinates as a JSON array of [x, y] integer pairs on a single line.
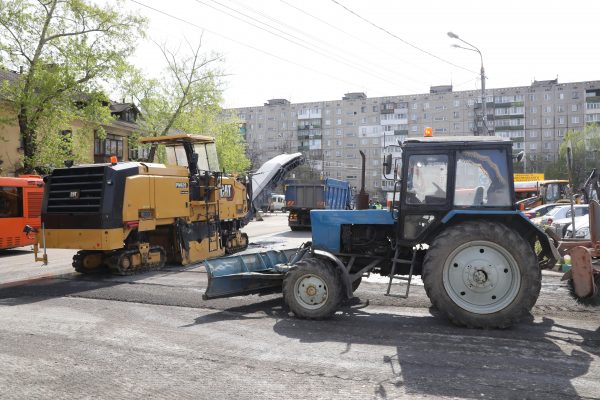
[[252, 273], [395, 262]]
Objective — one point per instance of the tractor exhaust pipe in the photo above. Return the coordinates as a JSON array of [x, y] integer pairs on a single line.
[[362, 201]]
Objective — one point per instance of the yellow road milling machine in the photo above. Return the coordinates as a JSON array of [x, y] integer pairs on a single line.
[[133, 216]]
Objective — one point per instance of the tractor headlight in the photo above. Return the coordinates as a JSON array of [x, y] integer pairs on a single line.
[[582, 232]]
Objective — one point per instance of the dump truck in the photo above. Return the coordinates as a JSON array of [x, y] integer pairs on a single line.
[[456, 225], [132, 216], [303, 196]]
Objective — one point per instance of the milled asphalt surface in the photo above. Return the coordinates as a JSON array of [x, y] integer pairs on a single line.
[[64, 335]]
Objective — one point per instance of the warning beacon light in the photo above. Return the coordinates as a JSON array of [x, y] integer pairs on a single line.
[[428, 132]]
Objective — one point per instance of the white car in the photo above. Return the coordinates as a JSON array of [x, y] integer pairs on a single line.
[[582, 228], [563, 212]]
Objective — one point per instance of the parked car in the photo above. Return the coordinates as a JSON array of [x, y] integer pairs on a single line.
[[540, 211], [563, 211], [582, 228], [277, 203]]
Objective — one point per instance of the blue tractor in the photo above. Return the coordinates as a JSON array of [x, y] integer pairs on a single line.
[[456, 225]]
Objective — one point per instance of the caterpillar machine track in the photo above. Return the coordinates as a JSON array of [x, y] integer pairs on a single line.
[[129, 217]]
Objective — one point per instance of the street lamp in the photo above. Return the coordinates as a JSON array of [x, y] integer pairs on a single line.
[[483, 99]]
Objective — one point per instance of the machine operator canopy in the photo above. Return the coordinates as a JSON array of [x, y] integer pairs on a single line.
[[179, 147]]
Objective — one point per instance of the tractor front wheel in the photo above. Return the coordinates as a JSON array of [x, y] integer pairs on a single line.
[[482, 274], [312, 289]]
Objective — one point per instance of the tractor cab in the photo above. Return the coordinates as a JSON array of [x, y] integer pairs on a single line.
[[196, 152], [443, 175]]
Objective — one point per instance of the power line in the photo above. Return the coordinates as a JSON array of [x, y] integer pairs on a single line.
[[348, 33], [399, 38], [242, 43], [296, 40], [332, 47]]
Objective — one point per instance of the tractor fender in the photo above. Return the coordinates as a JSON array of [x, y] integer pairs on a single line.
[[340, 267], [514, 219]]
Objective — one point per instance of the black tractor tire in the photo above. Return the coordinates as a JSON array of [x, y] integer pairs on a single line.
[[477, 289], [312, 289]]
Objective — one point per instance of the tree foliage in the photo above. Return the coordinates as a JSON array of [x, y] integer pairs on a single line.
[[64, 49], [186, 99], [585, 146]]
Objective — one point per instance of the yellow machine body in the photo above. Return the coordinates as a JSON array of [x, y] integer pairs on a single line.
[[148, 213]]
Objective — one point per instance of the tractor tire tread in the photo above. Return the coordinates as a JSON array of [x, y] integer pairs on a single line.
[[329, 273], [499, 233]]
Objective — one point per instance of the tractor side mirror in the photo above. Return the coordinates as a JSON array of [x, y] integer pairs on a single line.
[[387, 164]]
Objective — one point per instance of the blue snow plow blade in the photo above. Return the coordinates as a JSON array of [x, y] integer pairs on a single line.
[[249, 273]]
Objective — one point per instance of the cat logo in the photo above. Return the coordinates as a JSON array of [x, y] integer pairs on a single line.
[[74, 194], [227, 192]]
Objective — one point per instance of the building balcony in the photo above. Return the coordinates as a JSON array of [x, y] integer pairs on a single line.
[[509, 104], [508, 128], [509, 116], [304, 127], [592, 99]]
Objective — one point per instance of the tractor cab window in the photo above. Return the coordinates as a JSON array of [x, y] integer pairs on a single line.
[[427, 179], [481, 178], [176, 155], [207, 157], [553, 192]]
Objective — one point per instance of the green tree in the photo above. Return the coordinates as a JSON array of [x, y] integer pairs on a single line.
[[585, 146], [64, 50], [187, 99]]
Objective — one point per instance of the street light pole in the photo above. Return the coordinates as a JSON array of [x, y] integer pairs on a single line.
[[483, 97]]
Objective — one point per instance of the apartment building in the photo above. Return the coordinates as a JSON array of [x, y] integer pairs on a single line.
[[331, 133]]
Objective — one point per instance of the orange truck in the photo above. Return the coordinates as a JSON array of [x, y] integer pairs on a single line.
[[20, 205]]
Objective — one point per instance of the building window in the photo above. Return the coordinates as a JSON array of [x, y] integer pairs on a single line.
[[561, 120], [574, 120], [105, 148], [574, 107], [456, 103], [532, 146]]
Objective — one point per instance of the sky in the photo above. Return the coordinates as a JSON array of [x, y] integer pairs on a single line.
[[317, 50]]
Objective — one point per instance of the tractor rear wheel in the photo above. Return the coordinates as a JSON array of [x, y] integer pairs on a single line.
[[482, 274], [313, 289]]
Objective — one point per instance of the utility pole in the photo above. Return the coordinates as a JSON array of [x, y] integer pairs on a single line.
[[483, 97]]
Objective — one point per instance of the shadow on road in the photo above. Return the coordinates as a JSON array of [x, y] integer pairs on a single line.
[[434, 358], [272, 308], [14, 252], [37, 289]]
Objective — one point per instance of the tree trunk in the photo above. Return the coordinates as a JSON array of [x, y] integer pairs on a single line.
[[29, 142]]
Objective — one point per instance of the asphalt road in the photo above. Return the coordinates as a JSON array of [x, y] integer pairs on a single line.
[[64, 335]]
